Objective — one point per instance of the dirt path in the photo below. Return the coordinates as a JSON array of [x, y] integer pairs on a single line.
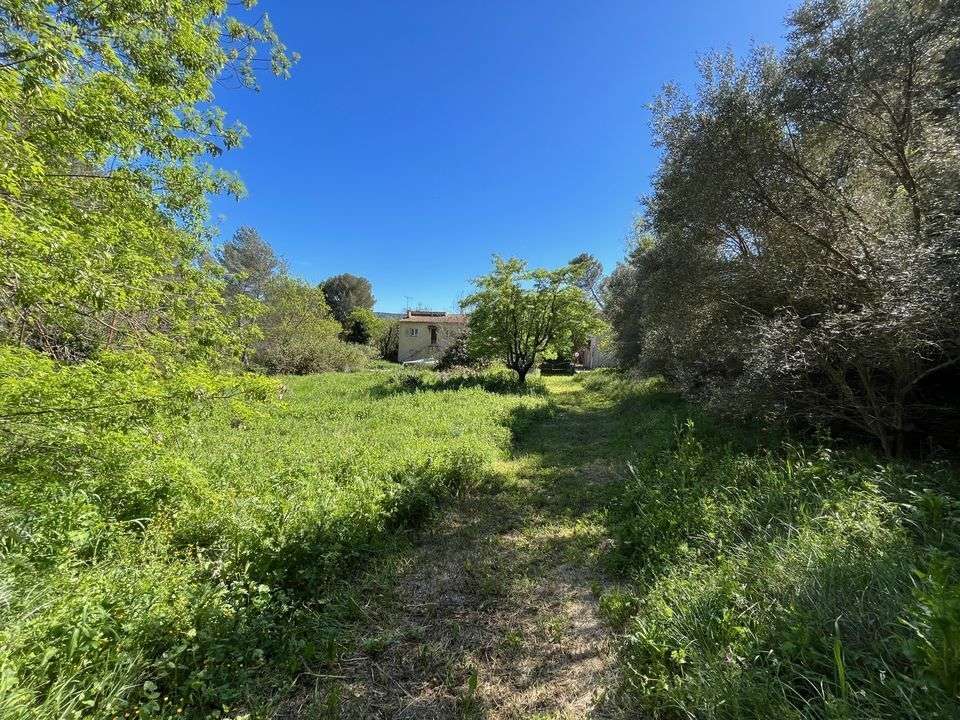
[[494, 613]]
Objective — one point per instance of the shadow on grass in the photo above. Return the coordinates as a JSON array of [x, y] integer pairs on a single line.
[[613, 422], [414, 382]]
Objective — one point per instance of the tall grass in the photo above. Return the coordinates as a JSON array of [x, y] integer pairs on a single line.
[[214, 564], [789, 582]]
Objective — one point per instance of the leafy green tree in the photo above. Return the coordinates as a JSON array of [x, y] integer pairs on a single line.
[[517, 314], [113, 322], [300, 334], [105, 124], [249, 262], [345, 292], [363, 326]]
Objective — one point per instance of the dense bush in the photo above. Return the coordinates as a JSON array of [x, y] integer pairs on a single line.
[[299, 334], [457, 355], [388, 343], [363, 327], [803, 256], [495, 379], [797, 583]]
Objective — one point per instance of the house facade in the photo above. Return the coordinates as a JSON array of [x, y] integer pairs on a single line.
[[425, 334], [594, 356]]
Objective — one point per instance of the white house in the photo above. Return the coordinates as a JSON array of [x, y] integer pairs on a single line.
[[425, 334]]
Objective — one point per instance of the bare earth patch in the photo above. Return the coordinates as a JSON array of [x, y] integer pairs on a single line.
[[493, 619]]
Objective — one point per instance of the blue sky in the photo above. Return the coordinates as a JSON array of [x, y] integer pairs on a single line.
[[416, 139]]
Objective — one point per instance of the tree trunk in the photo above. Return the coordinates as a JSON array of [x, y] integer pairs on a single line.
[[522, 375]]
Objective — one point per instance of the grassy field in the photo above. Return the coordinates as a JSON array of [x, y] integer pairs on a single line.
[[382, 542], [204, 586], [737, 574], [494, 611]]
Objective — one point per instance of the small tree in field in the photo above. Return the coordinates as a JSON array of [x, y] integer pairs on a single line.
[[517, 314]]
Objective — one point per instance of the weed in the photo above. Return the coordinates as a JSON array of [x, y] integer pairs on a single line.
[[216, 560], [469, 701], [794, 581]]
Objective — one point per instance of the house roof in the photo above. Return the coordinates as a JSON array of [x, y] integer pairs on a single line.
[[434, 316]]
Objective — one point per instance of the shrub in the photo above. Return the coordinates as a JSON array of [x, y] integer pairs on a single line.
[[493, 380], [363, 327], [457, 355], [388, 343], [299, 333]]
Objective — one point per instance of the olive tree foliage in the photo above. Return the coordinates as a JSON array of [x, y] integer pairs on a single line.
[[517, 314], [249, 263], [799, 252], [345, 292]]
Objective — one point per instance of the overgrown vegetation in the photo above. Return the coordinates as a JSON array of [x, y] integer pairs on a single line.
[[195, 569], [798, 258], [298, 334], [180, 536], [796, 582], [117, 327], [288, 324], [457, 356], [797, 262], [763, 577]]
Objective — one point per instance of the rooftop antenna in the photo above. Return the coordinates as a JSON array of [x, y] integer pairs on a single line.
[[407, 300]]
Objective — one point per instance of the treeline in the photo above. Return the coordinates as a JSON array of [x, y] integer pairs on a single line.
[[797, 257], [296, 327]]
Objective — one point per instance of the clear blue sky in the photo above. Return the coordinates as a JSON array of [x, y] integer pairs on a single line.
[[416, 139]]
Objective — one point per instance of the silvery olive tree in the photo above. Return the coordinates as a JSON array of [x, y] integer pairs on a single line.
[[805, 223]]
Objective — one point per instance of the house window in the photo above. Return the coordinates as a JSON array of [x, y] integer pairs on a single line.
[[413, 332], [433, 336]]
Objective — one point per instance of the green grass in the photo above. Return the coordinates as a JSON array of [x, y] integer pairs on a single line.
[[788, 581], [212, 573], [225, 560], [752, 576]]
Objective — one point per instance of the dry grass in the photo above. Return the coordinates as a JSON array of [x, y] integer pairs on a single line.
[[488, 596]]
